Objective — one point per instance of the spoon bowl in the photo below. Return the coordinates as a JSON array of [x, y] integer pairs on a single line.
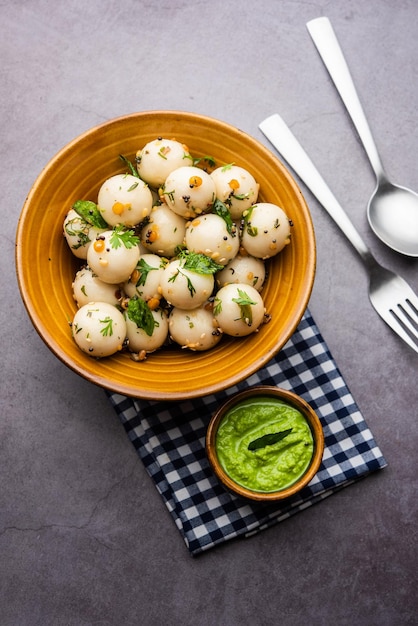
[[393, 216], [392, 210]]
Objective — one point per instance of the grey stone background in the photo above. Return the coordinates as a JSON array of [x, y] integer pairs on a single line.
[[84, 537]]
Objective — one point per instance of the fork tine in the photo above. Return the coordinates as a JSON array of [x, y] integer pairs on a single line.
[[402, 313], [397, 324], [413, 305], [403, 316], [390, 314], [407, 310]]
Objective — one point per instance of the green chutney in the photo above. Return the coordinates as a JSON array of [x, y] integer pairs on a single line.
[[271, 467]]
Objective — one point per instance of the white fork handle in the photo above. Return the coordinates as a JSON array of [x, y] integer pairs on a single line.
[[326, 42], [282, 138]]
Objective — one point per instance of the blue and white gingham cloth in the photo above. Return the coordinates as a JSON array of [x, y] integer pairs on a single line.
[[170, 439]]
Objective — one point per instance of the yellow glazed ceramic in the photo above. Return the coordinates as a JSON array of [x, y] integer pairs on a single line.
[[46, 267]]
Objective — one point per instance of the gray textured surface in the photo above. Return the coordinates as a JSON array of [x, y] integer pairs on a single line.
[[84, 537]]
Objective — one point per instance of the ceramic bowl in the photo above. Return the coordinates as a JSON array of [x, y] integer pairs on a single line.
[[282, 395], [46, 267]]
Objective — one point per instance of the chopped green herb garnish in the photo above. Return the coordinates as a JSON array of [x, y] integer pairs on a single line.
[[209, 160], [190, 285], [244, 302], [169, 194], [81, 233], [198, 262], [268, 440], [240, 196], [144, 269], [90, 213], [107, 330], [133, 186], [217, 306], [163, 151], [120, 237]]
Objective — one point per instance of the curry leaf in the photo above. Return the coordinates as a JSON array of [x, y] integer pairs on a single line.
[[90, 213], [268, 440], [222, 210], [140, 313]]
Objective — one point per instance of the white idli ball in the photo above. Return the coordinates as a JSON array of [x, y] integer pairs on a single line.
[[236, 188], [124, 199], [189, 191], [266, 230], [99, 329], [159, 158], [113, 255], [238, 309]]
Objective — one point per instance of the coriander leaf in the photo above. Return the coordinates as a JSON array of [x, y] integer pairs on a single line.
[[217, 308], [72, 228], [209, 160], [144, 269], [140, 313], [90, 213], [120, 237], [244, 302], [268, 440], [199, 263], [107, 330]]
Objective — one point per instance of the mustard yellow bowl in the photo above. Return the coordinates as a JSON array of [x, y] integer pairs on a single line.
[[265, 443], [46, 266]]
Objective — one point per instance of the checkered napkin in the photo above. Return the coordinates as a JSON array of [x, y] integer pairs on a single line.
[[170, 439]]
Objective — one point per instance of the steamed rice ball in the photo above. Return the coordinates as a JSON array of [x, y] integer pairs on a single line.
[[196, 330], [124, 199], [236, 188], [238, 310], [243, 269], [183, 288], [209, 235], [146, 329], [144, 281], [79, 234], [113, 255], [99, 329], [266, 230], [159, 158], [189, 191], [87, 287], [164, 231]]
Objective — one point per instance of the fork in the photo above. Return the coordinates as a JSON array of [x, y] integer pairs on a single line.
[[390, 294]]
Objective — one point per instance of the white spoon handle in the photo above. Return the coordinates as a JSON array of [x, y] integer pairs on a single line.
[[282, 138], [326, 42]]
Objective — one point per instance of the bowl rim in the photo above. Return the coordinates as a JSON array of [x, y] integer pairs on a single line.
[[126, 389], [293, 400]]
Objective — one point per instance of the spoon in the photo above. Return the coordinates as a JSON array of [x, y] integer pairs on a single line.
[[392, 210]]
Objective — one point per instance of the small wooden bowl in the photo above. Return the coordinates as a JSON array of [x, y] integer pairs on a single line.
[[46, 267], [292, 400]]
